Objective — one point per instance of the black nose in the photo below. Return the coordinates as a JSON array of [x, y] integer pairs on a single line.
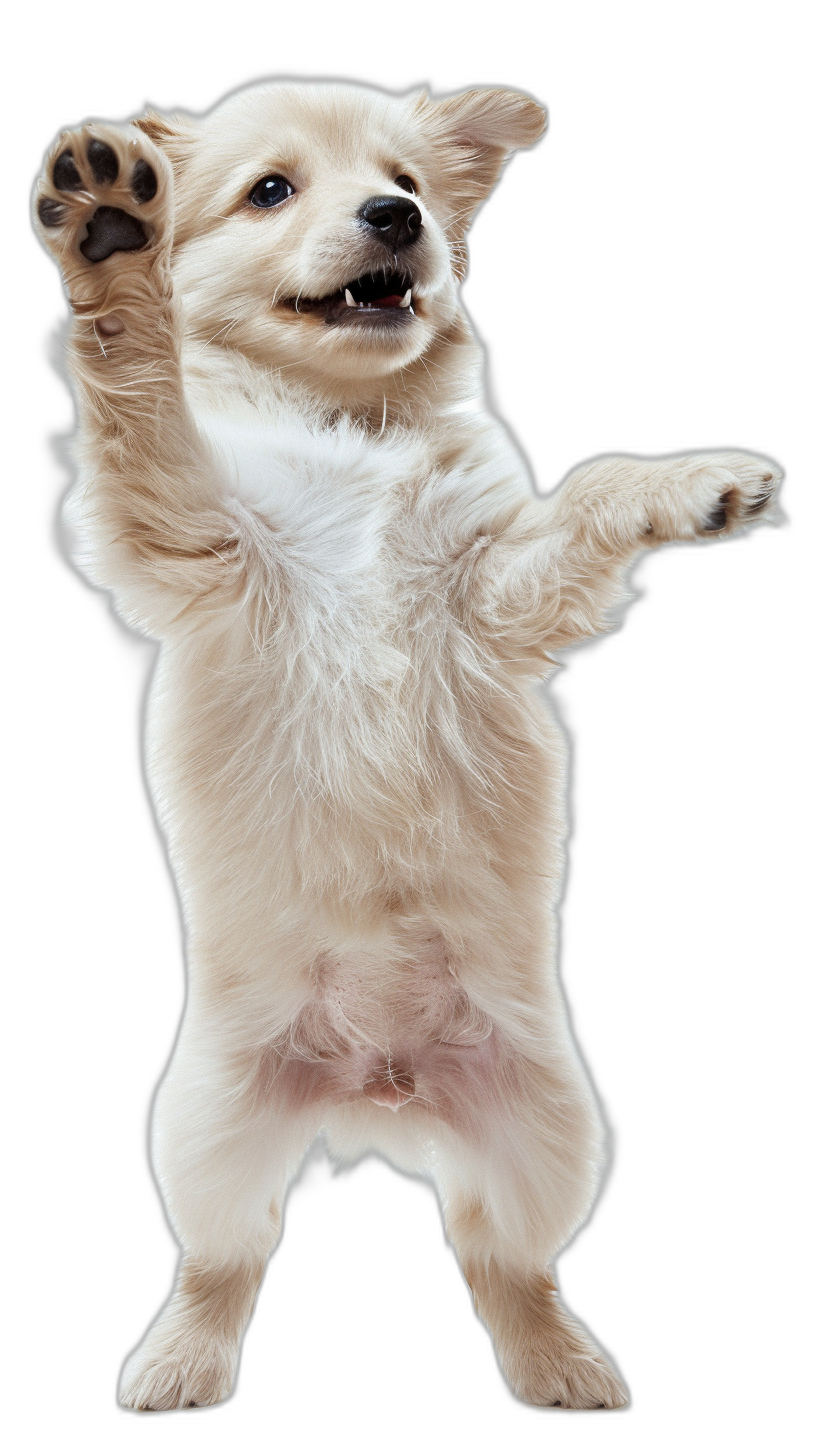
[[397, 220]]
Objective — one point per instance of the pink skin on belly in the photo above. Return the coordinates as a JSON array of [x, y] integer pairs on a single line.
[[454, 1083], [401, 1036], [390, 1086]]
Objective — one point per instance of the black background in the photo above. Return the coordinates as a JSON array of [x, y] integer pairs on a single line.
[[637, 283]]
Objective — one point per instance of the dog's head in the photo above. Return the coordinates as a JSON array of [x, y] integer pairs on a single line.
[[321, 228]]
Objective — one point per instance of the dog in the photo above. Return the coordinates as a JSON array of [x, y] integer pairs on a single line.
[[283, 477]]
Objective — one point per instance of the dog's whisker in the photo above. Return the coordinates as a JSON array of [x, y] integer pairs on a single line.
[[223, 330]]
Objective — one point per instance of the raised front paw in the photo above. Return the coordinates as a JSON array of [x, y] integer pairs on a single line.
[[712, 495], [105, 190]]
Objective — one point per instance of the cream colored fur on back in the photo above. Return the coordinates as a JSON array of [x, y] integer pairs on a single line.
[[356, 592]]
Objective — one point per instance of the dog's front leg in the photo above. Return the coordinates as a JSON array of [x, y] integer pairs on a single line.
[[104, 209], [555, 575]]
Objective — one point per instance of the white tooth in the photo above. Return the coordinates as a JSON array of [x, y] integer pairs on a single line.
[[406, 301], [350, 299]]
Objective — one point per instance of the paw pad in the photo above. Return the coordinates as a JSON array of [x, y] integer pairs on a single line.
[[111, 230], [144, 183], [91, 166], [759, 503], [718, 519], [51, 213], [65, 177], [103, 162]]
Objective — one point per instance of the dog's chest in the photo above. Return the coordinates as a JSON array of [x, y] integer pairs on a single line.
[[342, 574], [357, 537], [360, 698], [368, 647]]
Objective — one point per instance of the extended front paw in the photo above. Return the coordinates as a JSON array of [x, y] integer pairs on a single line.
[[712, 495], [105, 193]]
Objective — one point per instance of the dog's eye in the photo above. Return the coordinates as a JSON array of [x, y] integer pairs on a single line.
[[406, 183], [270, 191]]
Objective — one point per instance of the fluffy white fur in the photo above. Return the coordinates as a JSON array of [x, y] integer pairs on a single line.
[[356, 593]]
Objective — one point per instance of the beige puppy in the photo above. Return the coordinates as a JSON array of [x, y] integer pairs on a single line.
[[284, 479]]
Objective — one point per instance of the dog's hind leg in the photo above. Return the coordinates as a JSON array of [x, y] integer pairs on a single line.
[[547, 1356], [224, 1153], [189, 1356], [512, 1197], [150, 495]]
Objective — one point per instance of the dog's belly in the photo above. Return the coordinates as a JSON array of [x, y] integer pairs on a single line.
[[390, 1031]]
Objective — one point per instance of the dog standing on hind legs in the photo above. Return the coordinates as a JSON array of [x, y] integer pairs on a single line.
[[356, 591]]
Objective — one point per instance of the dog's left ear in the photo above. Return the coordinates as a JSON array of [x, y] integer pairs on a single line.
[[471, 136]]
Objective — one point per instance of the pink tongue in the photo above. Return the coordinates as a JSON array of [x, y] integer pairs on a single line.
[[392, 301]]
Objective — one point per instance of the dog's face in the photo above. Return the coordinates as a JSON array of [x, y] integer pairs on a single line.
[[320, 228]]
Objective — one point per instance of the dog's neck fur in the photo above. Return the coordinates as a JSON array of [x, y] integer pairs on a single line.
[[446, 375]]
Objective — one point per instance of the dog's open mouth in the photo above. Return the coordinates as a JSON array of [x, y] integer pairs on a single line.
[[373, 298]]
